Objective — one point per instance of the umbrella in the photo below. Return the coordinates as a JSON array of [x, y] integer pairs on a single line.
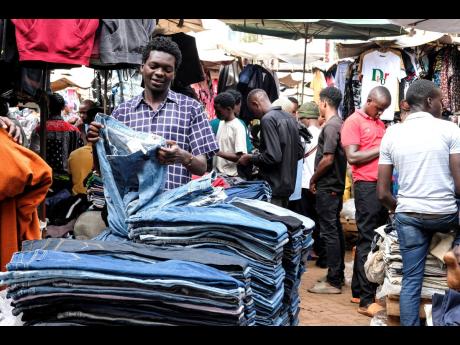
[[438, 25], [173, 26], [359, 29]]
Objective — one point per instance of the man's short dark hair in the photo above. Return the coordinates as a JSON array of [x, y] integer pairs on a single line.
[[293, 100], [57, 104], [236, 94], [419, 91], [163, 44], [225, 99], [91, 104], [255, 93], [92, 112], [331, 95]]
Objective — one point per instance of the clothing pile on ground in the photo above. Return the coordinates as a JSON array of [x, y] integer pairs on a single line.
[[95, 191], [75, 282], [435, 276]]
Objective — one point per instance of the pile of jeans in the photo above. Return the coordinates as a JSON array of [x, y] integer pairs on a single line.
[[255, 190], [107, 283], [296, 251], [225, 229]]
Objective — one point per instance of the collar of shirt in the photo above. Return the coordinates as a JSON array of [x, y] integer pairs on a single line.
[[419, 115], [171, 96], [363, 114], [276, 107]]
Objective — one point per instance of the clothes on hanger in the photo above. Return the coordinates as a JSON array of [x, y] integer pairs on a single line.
[[119, 43], [317, 84], [60, 41]]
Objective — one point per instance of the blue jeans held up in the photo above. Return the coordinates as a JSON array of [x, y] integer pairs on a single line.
[[131, 172], [414, 236]]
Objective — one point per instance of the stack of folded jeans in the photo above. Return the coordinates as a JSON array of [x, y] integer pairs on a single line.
[[235, 267], [256, 190], [300, 242], [225, 229], [50, 286], [446, 309]]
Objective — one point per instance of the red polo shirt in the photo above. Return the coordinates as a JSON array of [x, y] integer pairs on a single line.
[[360, 129]]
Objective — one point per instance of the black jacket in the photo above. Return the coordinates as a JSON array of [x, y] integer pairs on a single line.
[[280, 150]]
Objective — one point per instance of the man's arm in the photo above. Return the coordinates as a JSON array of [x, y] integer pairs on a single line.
[[356, 157], [323, 166], [384, 187], [454, 164], [230, 156], [172, 153]]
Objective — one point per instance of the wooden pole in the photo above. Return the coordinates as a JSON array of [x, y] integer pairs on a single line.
[[304, 61]]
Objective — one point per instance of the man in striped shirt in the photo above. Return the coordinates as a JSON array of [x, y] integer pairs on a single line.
[[177, 118]]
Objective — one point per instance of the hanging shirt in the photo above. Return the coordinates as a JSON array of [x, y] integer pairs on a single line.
[[231, 137], [382, 69], [317, 84]]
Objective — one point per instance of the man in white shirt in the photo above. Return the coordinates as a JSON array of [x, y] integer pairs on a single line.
[[308, 115], [425, 151], [231, 135]]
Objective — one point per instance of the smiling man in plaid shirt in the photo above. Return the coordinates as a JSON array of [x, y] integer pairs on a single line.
[[177, 118]]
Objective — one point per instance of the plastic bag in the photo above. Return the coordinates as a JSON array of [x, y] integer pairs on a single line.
[[6, 312], [380, 319], [348, 209], [348, 272]]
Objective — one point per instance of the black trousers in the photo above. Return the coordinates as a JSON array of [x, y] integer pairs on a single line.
[[370, 214], [328, 207], [306, 206]]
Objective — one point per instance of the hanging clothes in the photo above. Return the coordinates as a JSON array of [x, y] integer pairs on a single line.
[[23, 186], [382, 68], [352, 94], [255, 77], [229, 76], [317, 84], [340, 82], [119, 43], [60, 41], [206, 92], [190, 71]]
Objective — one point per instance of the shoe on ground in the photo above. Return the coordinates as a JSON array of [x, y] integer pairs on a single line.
[[370, 310], [324, 288], [324, 279], [355, 300]]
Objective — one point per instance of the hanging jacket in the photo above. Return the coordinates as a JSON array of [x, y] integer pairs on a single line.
[[190, 71], [62, 41], [24, 182], [255, 77], [119, 42]]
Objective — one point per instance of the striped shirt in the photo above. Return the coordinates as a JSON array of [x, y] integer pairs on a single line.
[[179, 118], [419, 150]]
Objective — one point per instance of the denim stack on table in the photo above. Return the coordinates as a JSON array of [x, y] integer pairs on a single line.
[[256, 190], [235, 267], [49, 286], [224, 229], [95, 191], [300, 242]]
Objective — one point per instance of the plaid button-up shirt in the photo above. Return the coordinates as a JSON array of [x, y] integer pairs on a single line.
[[179, 118]]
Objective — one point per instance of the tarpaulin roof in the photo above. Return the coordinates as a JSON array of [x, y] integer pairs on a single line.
[[317, 28], [438, 25]]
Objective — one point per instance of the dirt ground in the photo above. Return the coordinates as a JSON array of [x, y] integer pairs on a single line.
[[327, 310]]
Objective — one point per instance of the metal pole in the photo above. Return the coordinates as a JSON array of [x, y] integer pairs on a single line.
[[304, 61], [44, 112], [105, 91]]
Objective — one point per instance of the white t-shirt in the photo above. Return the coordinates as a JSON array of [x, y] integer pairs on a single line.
[[382, 69], [419, 150], [231, 137], [309, 162]]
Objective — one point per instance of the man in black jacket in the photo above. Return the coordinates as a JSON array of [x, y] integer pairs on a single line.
[[280, 147]]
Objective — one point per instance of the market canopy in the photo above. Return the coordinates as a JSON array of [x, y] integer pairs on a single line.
[[359, 29], [174, 26], [438, 25]]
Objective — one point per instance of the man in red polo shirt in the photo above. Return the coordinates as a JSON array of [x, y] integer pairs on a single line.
[[361, 135]]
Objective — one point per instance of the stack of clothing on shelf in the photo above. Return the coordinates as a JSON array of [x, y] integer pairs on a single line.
[[256, 190], [71, 282], [300, 231], [95, 191], [435, 276]]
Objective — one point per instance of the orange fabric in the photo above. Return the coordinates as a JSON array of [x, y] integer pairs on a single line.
[[24, 181]]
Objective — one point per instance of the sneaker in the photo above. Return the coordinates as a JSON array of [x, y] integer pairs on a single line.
[[324, 279], [370, 310], [324, 288]]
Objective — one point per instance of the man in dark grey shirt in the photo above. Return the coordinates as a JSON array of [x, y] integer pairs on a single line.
[[328, 183], [280, 147]]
